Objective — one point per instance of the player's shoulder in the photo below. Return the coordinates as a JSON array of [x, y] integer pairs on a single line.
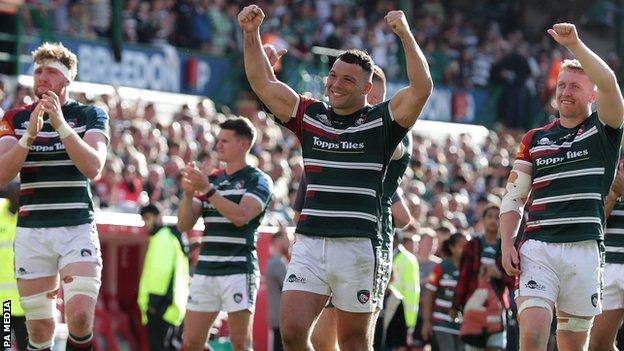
[[87, 109], [216, 173], [10, 114], [260, 174], [532, 133]]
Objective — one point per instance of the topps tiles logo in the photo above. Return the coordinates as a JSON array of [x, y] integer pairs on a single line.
[[337, 145]]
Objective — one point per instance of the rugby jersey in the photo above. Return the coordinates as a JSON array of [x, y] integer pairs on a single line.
[[345, 159], [573, 169], [227, 249], [53, 192], [442, 281], [614, 236]]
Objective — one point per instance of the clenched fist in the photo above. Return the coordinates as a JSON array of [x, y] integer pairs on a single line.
[[250, 18], [397, 21], [564, 34]]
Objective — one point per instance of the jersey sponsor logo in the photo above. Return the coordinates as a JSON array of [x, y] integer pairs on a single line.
[[239, 185], [594, 300], [360, 120], [544, 141], [532, 284], [238, 297], [293, 278], [339, 145], [86, 253], [324, 119], [47, 148], [5, 128], [363, 296], [570, 155]]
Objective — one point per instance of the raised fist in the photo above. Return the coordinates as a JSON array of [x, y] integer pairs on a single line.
[[250, 18], [397, 21], [564, 34]]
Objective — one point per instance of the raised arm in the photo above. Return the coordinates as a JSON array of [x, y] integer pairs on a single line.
[[609, 98], [408, 102], [277, 96]]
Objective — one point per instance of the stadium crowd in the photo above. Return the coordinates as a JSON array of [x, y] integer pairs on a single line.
[[468, 46]]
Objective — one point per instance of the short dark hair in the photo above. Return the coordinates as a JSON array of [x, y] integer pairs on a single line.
[[358, 57], [241, 126], [150, 209], [378, 74], [488, 208]]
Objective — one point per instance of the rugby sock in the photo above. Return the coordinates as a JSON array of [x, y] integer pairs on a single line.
[[43, 346], [77, 343]]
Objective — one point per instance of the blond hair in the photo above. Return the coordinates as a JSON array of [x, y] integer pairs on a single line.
[[56, 52], [572, 66]]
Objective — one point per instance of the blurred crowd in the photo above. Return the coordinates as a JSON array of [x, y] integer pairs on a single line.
[[468, 44], [448, 181]]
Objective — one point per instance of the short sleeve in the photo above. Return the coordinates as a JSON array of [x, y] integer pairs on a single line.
[[97, 121], [433, 282], [261, 189], [295, 124], [523, 155], [6, 130]]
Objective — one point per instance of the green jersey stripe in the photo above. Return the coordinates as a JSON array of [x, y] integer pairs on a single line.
[[56, 163], [568, 220], [569, 197], [442, 316], [212, 258], [223, 239], [443, 303], [569, 174], [60, 206], [341, 189], [348, 214], [216, 219], [343, 165], [614, 230], [59, 184], [446, 330]]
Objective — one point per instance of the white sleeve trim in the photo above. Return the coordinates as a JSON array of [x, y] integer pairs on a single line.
[[294, 112], [390, 112], [256, 197], [523, 162], [96, 130]]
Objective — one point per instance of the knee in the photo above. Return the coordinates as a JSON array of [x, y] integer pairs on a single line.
[[192, 345], [240, 343], [354, 342], [601, 344], [41, 330], [293, 334], [534, 339], [79, 320]]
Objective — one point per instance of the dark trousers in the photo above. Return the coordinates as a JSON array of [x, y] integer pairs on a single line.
[[161, 335], [277, 340], [20, 334]]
